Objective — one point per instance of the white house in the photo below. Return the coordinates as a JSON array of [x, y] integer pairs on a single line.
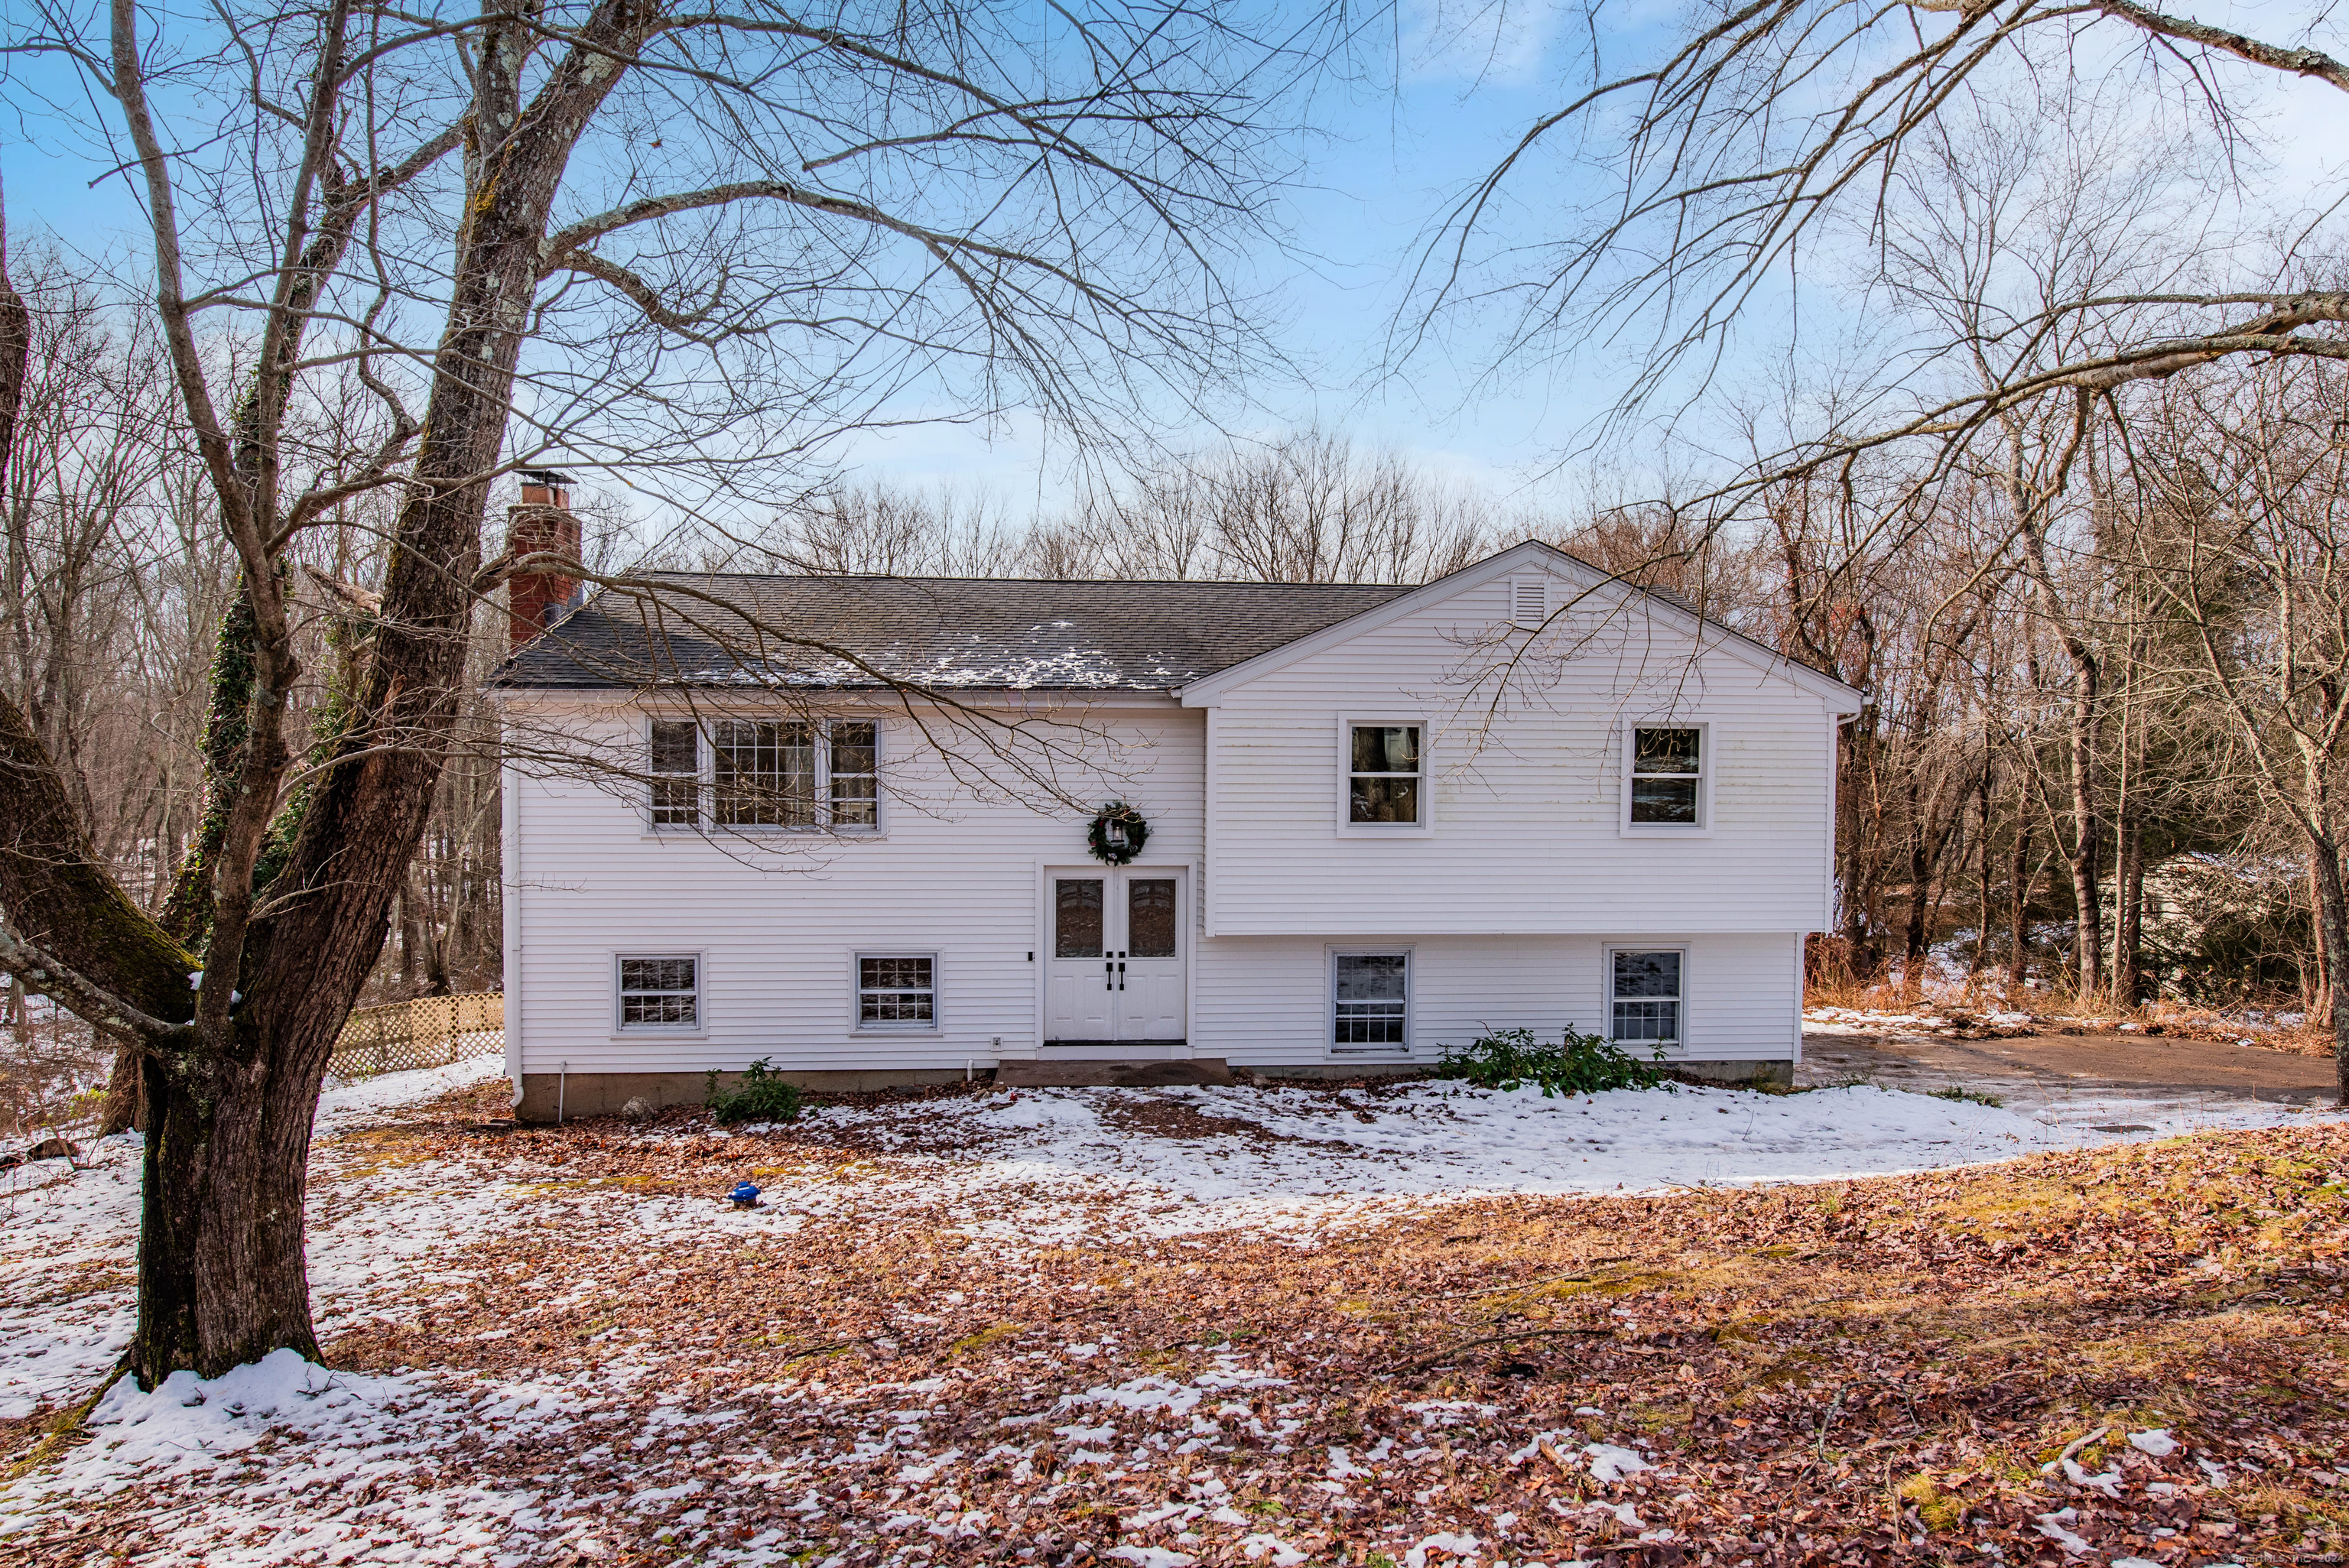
[[1379, 821]]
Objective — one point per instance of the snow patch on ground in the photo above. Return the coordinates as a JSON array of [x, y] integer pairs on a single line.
[[303, 1452], [65, 1307], [72, 1229], [296, 1452], [1315, 1157], [344, 1104]]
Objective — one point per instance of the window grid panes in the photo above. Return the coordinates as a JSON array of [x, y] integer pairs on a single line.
[[676, 773], [897, 992], [856, 776], [765, 773], [660, 993], [1667, 776], [1383, 773], [1370, 1000], [1646, 988]]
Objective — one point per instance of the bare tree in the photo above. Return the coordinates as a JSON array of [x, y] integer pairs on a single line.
[[2251, 550], [700, 246]]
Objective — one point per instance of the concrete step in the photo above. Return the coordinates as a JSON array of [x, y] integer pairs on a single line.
[[1080, 1073]]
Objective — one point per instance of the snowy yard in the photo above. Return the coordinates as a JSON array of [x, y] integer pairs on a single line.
[[1149, 1326]]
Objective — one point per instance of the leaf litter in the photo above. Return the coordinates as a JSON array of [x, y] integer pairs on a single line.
[[944, 1339]]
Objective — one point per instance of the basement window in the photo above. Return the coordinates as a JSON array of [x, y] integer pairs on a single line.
[[1645, 990], [1370, 1002], [660, 993], [897, 991]]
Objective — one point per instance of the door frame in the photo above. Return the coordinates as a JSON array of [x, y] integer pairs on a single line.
[[1186, 924]]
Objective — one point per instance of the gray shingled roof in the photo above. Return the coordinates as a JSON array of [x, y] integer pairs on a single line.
[[970, 633]]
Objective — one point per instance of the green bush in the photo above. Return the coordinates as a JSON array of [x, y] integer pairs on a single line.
[[759, 1097], [1578, 1064]]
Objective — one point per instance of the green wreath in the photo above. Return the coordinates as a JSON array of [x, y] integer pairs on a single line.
[[1117, 834]]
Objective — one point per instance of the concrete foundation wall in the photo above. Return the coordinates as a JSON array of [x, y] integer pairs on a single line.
[[1777, 1074], [603, 1094]]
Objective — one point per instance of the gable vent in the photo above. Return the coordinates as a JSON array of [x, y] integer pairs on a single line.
[[1530, 601]]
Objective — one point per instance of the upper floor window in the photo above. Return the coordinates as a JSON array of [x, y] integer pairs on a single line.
[[764, 773], [676, 773], [1668, 777], [1382, 774]]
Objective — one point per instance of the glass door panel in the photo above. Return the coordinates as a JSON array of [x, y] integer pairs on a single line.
[[1081, 965]]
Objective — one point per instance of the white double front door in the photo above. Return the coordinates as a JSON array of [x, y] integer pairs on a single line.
[[1114, 945]]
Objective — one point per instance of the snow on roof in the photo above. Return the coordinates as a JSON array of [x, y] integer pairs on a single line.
[[713, 629]]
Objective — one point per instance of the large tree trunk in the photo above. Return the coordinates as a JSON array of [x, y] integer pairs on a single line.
[[1856, 792], [1915, 933], [222, 1273], [222, 1264], [1981, 877]]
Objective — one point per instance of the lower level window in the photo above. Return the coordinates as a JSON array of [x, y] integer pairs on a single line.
[[1646, 989], [660, 993], [1371, 1001], [897, 991]]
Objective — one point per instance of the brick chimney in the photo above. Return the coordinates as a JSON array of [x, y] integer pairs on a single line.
[[541, 524]]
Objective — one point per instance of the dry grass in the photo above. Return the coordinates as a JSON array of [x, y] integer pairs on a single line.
[[1862, 1372]]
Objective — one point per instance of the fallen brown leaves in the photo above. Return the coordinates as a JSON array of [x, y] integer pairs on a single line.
[[1884, 1371]]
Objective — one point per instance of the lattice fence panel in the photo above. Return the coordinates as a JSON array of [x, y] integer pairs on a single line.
[[429, 1032]]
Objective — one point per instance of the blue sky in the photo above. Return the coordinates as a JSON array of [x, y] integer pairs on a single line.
[[1389, 156]]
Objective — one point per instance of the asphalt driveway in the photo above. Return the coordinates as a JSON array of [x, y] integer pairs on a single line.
[[2072, 1077]]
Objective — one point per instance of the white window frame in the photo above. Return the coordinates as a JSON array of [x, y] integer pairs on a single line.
[[706, 780], [1700, 829], [700, 1025], [1410, 957], [1347, 827], [698, 778], [1607, 998], [856, 992]]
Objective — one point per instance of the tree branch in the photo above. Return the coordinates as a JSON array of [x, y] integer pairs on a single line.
[[2315, 63], [44, 975]]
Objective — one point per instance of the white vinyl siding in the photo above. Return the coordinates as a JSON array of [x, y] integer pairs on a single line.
[[1529, 812], [1265, 1001], [781, 917]]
